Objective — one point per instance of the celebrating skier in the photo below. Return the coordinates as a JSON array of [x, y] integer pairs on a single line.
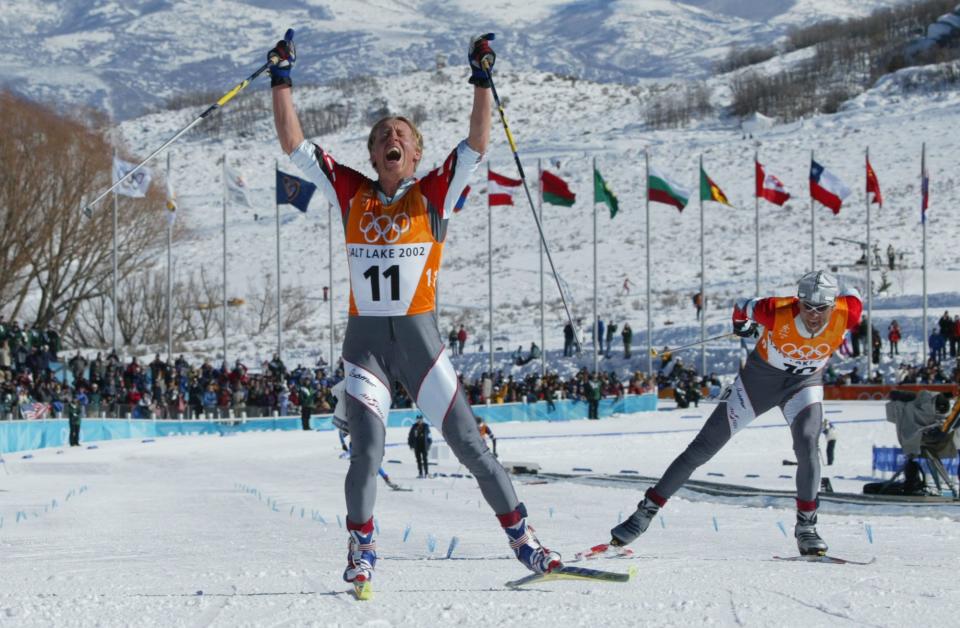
[[784, 370], [395, 228]]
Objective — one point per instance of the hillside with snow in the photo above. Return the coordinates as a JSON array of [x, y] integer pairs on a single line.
[[565, 110]]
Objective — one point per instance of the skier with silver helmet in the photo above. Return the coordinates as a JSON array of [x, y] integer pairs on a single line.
[[784, 370]]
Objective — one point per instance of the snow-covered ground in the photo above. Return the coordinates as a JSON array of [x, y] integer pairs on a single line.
[[178, 532]]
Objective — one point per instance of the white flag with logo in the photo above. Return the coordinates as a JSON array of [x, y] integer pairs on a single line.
[[136, 185], [171, 203], [236, 187]]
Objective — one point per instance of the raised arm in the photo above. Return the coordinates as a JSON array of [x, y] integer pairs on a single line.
[[281, 58], [482, 58], [285, 119]]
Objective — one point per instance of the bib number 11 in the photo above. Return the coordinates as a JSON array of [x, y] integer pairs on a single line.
[[392, 273]]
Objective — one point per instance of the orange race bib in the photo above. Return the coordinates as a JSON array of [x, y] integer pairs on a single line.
[[783, 347], [392, 255]]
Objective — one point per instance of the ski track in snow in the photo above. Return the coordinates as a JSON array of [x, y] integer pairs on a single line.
[[165, 520]]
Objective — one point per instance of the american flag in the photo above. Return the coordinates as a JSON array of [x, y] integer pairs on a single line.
[[33, 411]]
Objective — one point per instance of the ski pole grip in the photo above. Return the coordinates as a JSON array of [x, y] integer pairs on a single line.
[[288, 36]]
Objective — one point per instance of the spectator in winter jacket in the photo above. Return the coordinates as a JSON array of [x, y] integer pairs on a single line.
[[627, 335], [830, 433], [419, 441], [453, 341], [611, 330], [599, 335], [893, 335], [937, 345], [567, 340], [462, 339], [947, 331]]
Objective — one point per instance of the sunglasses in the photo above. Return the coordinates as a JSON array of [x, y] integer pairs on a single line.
[[816, 308]]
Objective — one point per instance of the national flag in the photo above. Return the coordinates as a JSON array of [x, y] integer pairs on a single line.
[[500, 189], [710, 191], [136, 185], [770, 188], [236, 187], [660, 189], [873, 185], [462, 199], [34, 411], [826, 188], [555, 190], [602, 194], [294, 191], [171, 203]]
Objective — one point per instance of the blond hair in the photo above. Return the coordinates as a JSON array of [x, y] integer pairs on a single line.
[[405, 120]]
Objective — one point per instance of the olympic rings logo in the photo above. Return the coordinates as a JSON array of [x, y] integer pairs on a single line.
[[806, 352], [384, 228]]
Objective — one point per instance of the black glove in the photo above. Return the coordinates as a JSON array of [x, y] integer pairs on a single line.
[[281, 60], [745, 329], [481, 58]]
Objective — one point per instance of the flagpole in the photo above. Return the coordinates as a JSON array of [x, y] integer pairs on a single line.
[[596, 354], [276, 205], [703, 283], [543, 341], [646, 180], [114, 297], [490, 270], [331, 367], [813, 229], [923, 226], [169, 272], [869, 347], [756, 224], [224, 306]]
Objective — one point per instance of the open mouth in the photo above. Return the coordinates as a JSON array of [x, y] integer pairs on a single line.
[[393, 154]]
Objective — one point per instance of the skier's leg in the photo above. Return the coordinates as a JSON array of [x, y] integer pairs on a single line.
[[734, 413], [804, 413], [430, 379]]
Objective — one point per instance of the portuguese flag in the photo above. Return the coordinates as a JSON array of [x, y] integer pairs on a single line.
[[662, 190], [555, 190], [710, 191]]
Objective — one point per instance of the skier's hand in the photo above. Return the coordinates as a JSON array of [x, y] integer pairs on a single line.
[[481, 57], [745, 329], [281, 59]]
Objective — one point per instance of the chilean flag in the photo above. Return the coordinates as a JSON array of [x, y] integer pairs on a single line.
[[770, 188], [500, 189], [826, 188]]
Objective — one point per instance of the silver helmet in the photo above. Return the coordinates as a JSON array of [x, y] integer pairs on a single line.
[[818, 288]]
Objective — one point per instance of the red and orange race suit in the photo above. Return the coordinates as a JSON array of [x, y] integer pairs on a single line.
[[394, 246], [785, 342]]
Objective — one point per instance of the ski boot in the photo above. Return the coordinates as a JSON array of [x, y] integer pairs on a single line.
[[636, 524], [525, 545], [808, 541], [361, 553]]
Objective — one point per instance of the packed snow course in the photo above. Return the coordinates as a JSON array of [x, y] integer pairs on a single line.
[[245, 531]]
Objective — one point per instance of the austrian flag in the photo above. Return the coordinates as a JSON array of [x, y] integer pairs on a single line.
[[770, 188], [826, 188], [500, 189]]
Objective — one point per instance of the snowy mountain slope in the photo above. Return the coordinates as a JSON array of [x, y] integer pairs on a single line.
[[575, 122], [130, 56]]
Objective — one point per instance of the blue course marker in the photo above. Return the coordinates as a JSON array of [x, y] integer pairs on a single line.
[[869, 530], [583, 469], [406, 532], [716, 526], [453, 545], [431, 543], [782, 528]]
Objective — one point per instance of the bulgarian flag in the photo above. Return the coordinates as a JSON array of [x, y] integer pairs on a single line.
[[826, 188], [710, 191], [770, 188], [662, 190], [500, 189], [555, 190]]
